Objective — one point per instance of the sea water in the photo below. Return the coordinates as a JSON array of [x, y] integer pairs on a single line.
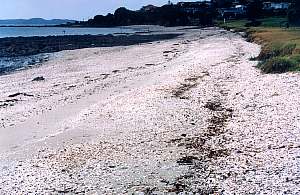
[[58, 31], [18, 63]]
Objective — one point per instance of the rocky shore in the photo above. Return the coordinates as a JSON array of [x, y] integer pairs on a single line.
[[25, 46], [10, 64]]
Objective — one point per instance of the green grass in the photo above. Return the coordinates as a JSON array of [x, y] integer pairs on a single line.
[[233, 24], [241, 24], [280, 65], [280, 46], [273, 21], [277, 50]]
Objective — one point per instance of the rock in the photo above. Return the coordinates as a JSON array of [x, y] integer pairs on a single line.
[[38, 79], [25, 46]]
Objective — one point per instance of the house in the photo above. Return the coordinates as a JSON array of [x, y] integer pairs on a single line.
[[148, 8], [276, 6], [237, 11], [236, 2], [242, 8], [194, 4], [194, 7]]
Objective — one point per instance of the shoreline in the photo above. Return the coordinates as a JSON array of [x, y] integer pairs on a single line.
[[25, 46]]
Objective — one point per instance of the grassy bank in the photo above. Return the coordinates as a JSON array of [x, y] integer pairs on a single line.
[[280, 46]]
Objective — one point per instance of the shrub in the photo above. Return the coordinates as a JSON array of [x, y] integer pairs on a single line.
[[253, 23], [296, 60], [278, 65], [269, 52], [287, 49], [294, 13]]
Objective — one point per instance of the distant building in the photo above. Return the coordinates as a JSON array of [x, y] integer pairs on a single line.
[[148, 8], [194, 7], [194, 4], [241, 8], [276, 6], [237, 11], [236, 2]]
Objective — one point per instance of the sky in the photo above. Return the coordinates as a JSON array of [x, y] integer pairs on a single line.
[[68, 9]]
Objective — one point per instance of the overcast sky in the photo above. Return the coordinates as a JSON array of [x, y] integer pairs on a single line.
[[67, 9]]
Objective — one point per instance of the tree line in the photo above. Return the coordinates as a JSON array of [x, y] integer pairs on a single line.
[[167, 15], [174, 15]]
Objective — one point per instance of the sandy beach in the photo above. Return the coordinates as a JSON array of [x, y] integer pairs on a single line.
[[191, 114]]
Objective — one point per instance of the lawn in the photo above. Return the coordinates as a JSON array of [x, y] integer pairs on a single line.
[[280, 46]]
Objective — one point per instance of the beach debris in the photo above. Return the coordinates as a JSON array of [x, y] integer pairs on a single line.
[[7, 103], [18, 94], [105, 76], [71, 86], [116, 71], [150, 64], [41, 78], [187, 160], [213, 106]]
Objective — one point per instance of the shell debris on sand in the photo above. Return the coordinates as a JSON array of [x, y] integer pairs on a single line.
[[191, 114]]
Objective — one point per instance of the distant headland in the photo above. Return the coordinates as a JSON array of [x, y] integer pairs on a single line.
[[34, 22]]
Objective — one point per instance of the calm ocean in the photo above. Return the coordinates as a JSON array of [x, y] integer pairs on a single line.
[[55, 31], [19, 63]]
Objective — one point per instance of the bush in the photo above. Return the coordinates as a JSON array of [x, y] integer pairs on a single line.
[[253, 23], [294, 13], [296, 60], [288, 49], [269, 52], [278, 65]]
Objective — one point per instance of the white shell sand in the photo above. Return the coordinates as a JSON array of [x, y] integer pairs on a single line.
[[190, 114]]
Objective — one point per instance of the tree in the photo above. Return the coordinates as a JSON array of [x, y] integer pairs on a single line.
[[222, 3], [294, 13], [167, 15], [255, 9]]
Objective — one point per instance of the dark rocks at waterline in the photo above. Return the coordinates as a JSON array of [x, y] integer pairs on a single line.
[[9, 64], [24, 46]]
